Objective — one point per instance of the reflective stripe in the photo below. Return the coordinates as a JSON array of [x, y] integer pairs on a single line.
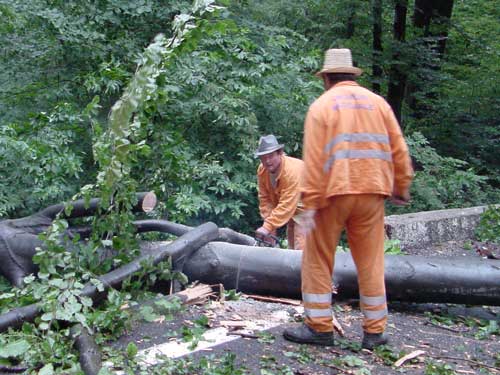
[[318, 313], [379, 314], [357, 154], [317, 298], [372, 301], [357, 137]]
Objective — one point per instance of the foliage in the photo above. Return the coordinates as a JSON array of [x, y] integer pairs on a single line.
[[40, 163], [462, 122], [62, 274], [436, 368], [187, 122], [232, 295], [488, 228], [194, 333], [443, 182], [270, 366], [392, 247]]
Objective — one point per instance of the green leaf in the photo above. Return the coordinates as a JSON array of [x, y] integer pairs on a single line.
[[148, 314], [48, 369], [14, 349], [131, 350], [105, 371]]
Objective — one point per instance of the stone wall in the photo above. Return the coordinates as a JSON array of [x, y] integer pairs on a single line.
[[421, 229]]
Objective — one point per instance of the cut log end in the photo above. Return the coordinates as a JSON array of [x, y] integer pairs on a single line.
[[149, 202]]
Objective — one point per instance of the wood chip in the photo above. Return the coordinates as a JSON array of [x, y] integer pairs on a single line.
[[232, 323], [337, 326], [407, 357], [285, 301]]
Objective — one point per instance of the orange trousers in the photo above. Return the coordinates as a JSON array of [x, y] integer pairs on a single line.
[[362, 215], [295, 235]]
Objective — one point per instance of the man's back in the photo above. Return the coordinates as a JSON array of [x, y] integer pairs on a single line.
[[355, 142]]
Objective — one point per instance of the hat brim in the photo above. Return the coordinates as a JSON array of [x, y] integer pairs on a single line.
[[275, 148], [347, 69]]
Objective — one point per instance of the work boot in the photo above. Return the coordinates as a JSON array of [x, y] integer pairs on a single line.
[[303, 334], [372, 340]]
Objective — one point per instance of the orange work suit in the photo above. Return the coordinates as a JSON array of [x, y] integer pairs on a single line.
[[278, 204], [355, 156]]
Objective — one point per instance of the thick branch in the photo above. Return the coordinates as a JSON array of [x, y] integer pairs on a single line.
[[179, 250], [165, 226], [90, 355], [145, 203]]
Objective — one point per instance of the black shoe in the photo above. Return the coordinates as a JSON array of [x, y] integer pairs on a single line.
[[303, 334], [372, 340]]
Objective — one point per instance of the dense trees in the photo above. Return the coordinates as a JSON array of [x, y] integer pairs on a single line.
[[94, 102], [248, 71]]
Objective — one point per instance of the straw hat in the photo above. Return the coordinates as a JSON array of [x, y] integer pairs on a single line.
[[339, 60], [267, 144]]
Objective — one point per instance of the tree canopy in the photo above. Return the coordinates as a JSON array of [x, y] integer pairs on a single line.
[[246, 71]]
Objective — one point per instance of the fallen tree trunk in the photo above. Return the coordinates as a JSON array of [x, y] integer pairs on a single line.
[[179, 250], [276, 272]]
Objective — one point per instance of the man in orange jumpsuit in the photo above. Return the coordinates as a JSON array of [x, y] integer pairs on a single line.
[[355, 157], [278, 178]]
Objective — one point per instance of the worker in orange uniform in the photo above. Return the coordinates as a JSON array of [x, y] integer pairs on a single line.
[[355, 157], [278, 178]]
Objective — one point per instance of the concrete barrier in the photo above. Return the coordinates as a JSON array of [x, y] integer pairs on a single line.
[[421, 229]]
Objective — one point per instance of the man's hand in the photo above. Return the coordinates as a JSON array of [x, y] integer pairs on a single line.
[[265, 236], [306, 220], [262, 232], [400, 200]]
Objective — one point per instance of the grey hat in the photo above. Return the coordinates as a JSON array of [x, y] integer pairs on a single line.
[[267, 144]]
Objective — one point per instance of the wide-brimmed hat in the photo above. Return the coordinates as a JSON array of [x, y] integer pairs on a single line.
[[267, 144], [339, 60]]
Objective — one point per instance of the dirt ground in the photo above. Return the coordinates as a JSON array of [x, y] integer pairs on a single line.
[[445, 339]]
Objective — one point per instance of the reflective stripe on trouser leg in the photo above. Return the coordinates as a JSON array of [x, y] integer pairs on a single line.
[[365, 232], [317, 267]]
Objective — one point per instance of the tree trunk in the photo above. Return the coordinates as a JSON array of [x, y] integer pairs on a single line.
[[276, 272], [397, 75], [433, 17], [377, 45], [350, 20]]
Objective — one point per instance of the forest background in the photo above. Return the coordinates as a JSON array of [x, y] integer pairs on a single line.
[[246, 71]]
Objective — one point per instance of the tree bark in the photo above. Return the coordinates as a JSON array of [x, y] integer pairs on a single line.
[[165, 226], [90, 357], [276, 272], [350, 25], [397, 75], [377, 45], [179, 250], [145, 203], [433, 17]]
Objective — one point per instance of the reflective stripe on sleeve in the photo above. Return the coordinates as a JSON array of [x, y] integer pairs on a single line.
[[318, 313], [317, 298]]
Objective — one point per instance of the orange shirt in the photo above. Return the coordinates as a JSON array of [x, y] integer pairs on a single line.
[[278, 204], [352, 145]]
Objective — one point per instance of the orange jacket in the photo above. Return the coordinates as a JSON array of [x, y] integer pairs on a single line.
[[352, 145], [278, 204]]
